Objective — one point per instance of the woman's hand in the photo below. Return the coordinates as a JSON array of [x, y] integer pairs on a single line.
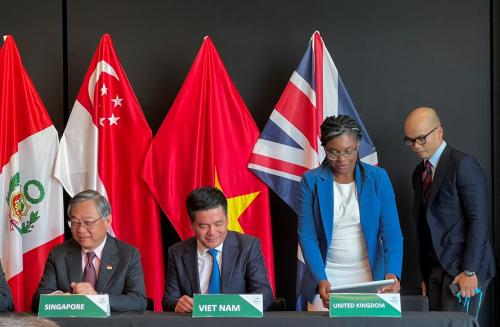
[[394, 288], [324, 292]]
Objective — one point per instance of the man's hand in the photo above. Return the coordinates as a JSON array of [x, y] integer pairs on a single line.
[[467, 284], [324, 292], [394, 288], [83, 288], [184, 305], [59, 293]]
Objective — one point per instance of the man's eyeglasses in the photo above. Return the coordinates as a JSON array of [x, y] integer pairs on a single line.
[[421, 140], [75, 224], [335, 155]]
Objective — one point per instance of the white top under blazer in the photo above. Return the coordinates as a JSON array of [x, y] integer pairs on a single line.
[[347, 257]]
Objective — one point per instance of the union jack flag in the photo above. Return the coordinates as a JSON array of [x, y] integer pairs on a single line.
[[290, 143]]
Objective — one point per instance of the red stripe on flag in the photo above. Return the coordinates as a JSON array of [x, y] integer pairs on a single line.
[[318, 79], [297, 108], [280, 165], [24, 284], [23, 113]]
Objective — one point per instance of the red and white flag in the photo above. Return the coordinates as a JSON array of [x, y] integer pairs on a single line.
[[31, 204], [103, 148]]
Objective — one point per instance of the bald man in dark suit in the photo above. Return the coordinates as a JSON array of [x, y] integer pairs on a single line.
[[452, 211]]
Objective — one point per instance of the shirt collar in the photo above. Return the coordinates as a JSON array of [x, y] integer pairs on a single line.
[[434, 159], [202, 250], [98, 250]]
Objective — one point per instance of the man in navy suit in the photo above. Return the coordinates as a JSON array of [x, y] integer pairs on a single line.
[[191, 266], [452, 211]]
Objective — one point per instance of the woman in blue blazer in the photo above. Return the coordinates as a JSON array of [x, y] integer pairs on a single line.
[[348, 222]]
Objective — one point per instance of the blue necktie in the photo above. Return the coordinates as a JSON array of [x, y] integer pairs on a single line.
[[214, 283]]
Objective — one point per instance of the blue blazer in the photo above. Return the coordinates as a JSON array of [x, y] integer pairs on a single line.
[[379, 222]]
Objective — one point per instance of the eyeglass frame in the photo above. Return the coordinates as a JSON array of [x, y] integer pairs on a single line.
[[423, 138], [85, 224], [336, 155]]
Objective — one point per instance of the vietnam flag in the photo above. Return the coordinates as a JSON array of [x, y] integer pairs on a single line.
[[31, 202], [103, 148], [206, 139]]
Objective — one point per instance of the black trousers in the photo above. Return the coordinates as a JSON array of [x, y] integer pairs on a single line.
[[441, 298]]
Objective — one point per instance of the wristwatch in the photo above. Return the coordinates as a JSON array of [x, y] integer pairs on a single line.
[[469, 273]]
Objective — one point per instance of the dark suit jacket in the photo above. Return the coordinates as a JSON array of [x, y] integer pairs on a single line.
[[6, 303], [243, 269], [457, 213], [124, 282]]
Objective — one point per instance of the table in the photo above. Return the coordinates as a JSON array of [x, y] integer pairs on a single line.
[[274, 319]]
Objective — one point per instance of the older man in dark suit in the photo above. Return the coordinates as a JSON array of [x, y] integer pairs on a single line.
[[452, 210], [94, 262], [215, 260]]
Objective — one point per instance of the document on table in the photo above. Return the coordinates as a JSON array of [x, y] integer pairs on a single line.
[[367, 287]]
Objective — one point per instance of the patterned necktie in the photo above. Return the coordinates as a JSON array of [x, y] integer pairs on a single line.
[[426, 179], [214, 283], [89, 274]]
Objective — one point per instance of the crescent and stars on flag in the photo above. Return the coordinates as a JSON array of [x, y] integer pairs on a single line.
[[236, 206], [104, 118]]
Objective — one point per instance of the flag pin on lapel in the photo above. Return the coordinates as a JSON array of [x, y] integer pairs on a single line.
[[109, 267]]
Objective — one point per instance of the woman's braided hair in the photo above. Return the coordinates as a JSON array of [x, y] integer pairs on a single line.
[[334, 126]]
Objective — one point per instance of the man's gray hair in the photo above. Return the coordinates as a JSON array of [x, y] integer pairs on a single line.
[[101, 203]]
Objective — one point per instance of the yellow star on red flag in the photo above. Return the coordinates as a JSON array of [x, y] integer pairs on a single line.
[[236, 206]]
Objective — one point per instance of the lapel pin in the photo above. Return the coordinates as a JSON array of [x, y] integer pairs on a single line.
[[109, 267]]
